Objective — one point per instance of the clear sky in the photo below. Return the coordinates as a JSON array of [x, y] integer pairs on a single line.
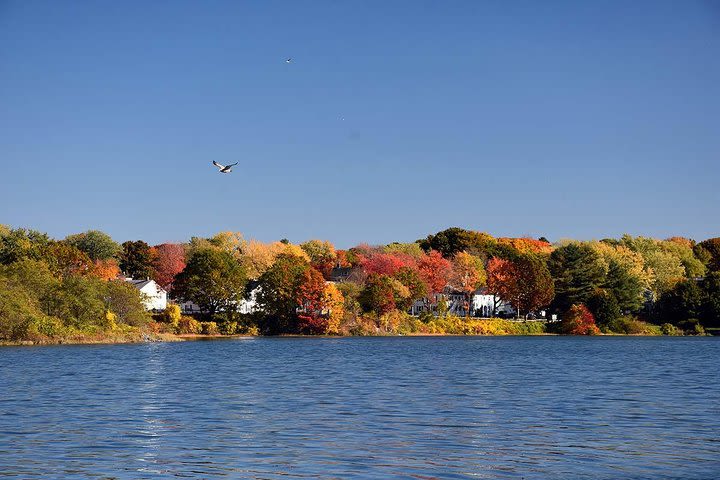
[[395, 119]]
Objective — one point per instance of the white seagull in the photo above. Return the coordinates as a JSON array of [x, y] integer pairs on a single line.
[[288, 60], [223, 168]]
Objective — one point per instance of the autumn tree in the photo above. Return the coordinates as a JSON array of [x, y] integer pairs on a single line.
[[136, 259], [526, 245], [259, 257], [310, 298], [213, 279], [335, 304], [105, 269], [663, 261], [385, 263], [467, 275], [525, 283], [578, 320], [434, 270], [411, 279], [712, 248], [168, 262], [321, 254], [279, 293], [97, 245], [411, 249], [64, 259], [382, 294]]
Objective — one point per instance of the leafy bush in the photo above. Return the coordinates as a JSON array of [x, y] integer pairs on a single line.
[[632, 326], [188, 325], [579, 321], [209, 328], [670, 330]]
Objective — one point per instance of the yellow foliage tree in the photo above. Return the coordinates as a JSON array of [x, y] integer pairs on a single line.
[[335, 303], [258, 256]]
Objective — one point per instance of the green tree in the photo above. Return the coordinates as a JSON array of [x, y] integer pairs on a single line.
[[683, 302], [454, 240], [383, 294], [626, 288], [20, 243], [96, 244], [577, 271], [213, 279], [604, 307], [411, 279], [136, 259], [278, 294], [711, 246], [710, 315], [126, 302]]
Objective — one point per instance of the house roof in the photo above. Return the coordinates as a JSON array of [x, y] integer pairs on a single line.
[[140, 284]]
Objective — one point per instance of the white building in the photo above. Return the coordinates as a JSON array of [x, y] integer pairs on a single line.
[[245, 306], [155, 297], [483, 304]]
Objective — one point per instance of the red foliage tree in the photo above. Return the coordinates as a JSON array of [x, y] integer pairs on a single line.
[[434, 270], [386, 263], [525, 283], [169, 261], [310, 296], [579, 321]]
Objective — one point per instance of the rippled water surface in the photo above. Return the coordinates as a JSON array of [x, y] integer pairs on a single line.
[[503, 407]]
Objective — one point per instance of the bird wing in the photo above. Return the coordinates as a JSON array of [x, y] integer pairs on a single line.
[[218, 165], [233, 164]]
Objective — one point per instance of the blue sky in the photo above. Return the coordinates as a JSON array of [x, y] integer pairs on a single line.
[[394, 120]]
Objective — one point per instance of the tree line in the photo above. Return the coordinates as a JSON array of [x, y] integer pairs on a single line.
[[72, 288]]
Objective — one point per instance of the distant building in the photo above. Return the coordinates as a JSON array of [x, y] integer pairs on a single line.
[[340, 274], [155, 297], [483, 304], [246, 305]]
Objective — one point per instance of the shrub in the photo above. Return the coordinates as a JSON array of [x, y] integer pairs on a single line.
[[209, 328], [670, 330], [171, 314], [699, 330], [228, 328], [632, 326], [188, 325], [579, 321]]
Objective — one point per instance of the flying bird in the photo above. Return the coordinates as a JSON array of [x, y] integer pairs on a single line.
[[224, 168], [288, 60]]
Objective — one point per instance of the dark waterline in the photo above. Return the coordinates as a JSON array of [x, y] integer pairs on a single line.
[[439, 407]]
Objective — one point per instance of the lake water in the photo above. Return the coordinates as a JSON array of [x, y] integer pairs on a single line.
[[453, 407]]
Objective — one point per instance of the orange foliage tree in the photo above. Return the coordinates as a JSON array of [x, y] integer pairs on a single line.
[[434, 270], [106, 269], [527, 245]]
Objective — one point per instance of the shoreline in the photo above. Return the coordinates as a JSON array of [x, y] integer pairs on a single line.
[[189, 337]]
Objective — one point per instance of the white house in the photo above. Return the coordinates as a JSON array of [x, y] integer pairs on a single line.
[[155, 297], [483, 304], [245, 306]]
